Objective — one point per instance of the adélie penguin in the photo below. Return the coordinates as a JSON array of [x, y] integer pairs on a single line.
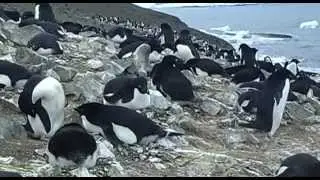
[[141, 63], [71, 145], [167, 36], [45, 43], [204, 66], [13, 75], [272, 102], [184, 48], [168, 79], [127, 92], [120, 124], [44, 12], [299, 165], [42, 101]]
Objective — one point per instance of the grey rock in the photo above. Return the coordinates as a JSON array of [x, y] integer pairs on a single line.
[[296, 111], [66, 74], [113, 67], [21, 35], [8, 58], [105, 76], [89, 87], [53, 74], [95, 64], [226, 97], [235, 136], [27, 56], [158, 101], [312, 120], [211, 107]]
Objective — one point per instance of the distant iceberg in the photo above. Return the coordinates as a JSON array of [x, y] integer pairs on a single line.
[[309, 24]]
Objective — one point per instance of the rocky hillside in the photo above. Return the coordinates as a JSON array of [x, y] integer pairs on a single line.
[[82, 13], [213, 144]]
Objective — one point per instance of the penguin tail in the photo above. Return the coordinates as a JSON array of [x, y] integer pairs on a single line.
[[169, 132]]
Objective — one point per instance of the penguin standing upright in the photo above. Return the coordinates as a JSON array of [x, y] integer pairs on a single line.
[[168, 79], [120, 124], [44, 12], [42, 100], [167, 36], [141, 53], [272, 102], [184, 48], [247, 55]]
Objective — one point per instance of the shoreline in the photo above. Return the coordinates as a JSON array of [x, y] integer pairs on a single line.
[[79, 12]]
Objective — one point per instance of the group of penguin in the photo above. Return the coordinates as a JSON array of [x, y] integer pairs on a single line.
[[42, 99], [121, 21]]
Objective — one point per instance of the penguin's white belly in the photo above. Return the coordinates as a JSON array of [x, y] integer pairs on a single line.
[[281, 170], [91, 127], [278, 109], [60, 161], [36, 12], [5, 80], [139, 101], [118, 39], [162, 40], [155, 57], [127, 55], [292, 67], [37, 126], [43, 51], [184, 52], [201, 73], [124, 134]]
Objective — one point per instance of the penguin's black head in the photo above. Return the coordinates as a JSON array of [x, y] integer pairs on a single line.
[[88, 108], [27, 15], [128, 32], [33, 46], [155, 45], [285, 73], [277, 66], [164, 26], [267, 59], [43, 4], [173, 61], [142, 84], [254, 51], [295, 61]]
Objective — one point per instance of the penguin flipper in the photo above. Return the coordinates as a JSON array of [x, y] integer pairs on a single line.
[[43, 115], [111, 136]]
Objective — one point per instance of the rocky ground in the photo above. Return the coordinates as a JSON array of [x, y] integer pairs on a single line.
[[213, 144]]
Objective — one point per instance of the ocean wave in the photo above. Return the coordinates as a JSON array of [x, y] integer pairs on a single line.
[[309, 24], [178, 5], [243, 36]]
